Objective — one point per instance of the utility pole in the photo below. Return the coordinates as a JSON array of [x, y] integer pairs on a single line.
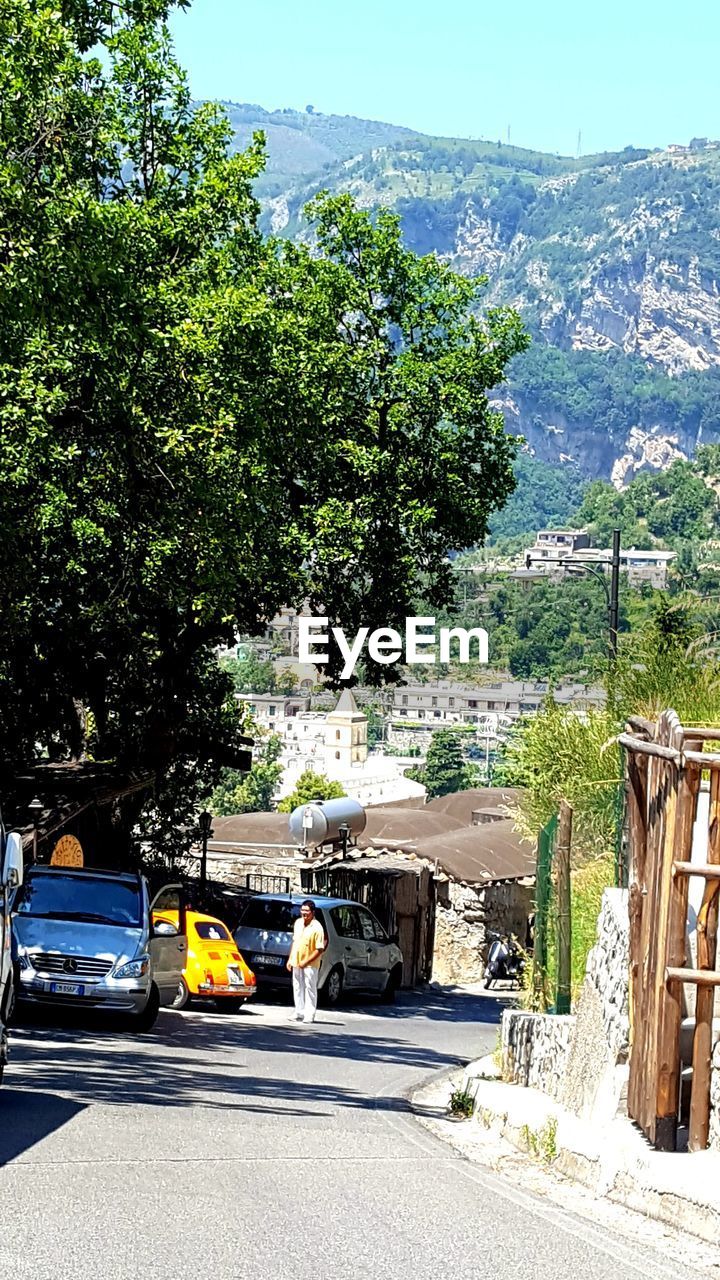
[[562, 865], [614, 595]]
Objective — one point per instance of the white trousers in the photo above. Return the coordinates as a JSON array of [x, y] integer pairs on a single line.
[[305, 985]]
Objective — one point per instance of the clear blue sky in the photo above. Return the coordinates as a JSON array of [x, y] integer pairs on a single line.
[[621, 71]]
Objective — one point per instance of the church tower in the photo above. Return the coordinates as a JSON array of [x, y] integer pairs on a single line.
[[346, 733]]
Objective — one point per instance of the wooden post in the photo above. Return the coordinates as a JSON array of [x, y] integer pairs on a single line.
[[562, 859], [707, 926], [679, 843]]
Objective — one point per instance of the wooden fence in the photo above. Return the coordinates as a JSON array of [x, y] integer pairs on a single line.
[[665, 763]]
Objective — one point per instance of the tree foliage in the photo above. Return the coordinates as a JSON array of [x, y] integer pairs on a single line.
[[198, 425], [311, 786], [251, 792], [445, 770]]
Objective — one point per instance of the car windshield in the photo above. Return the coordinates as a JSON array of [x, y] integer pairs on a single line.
[[212, 931], [270, 915], [87, 899]]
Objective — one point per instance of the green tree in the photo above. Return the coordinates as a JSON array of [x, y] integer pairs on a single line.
[[445, 769], [311, 786], [197, 425], [250, 675], [252, 792]]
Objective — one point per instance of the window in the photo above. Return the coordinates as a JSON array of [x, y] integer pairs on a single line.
[[270, 915], [451, 702], [337, 735], [491, 706], [403, 711], [404, 699], [433, 702], [212, 931], [421, 715], [87, 898], [472, 702], [337, 755], [372, 930], [437, 714], [271, 710], [346, 922]]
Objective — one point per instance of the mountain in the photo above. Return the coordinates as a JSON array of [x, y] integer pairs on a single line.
[[612, 259]]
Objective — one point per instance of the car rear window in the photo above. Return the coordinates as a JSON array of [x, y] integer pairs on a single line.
[[270, 916], [210, 931]]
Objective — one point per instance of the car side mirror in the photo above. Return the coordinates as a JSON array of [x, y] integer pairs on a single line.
[[12, 867], [163, 929]]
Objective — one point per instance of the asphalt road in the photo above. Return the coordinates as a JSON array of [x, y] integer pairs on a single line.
[[251, 1148]]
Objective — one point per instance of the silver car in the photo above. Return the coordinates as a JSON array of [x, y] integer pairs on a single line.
[[89, 939], [359, 955]]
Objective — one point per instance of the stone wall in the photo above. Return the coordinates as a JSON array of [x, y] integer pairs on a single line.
[[466, 915], [596, 1070], [535, 1049], [714, 1139], [581, 1059]]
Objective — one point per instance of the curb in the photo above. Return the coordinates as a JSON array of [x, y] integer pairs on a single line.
[[615, 1162]]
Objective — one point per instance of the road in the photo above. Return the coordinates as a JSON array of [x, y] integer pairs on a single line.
[[251, 1148]]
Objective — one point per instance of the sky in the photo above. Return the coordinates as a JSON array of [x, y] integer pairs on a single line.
[[619, 73]]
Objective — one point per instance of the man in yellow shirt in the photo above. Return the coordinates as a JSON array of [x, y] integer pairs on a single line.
[[304, 962]]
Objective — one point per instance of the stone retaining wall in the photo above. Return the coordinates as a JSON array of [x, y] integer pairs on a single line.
[[580, 1059], [535, 1049]]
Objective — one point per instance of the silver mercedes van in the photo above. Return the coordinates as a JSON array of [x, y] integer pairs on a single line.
[[89, 939]]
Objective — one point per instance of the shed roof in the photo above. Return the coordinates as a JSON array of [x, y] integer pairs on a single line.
[[406, 825], [493, 851], [461, 804], [251, 828]]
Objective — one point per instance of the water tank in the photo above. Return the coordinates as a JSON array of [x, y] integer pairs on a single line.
[[319, 823]]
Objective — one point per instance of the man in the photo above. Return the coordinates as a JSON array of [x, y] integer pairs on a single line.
[[304, 962]]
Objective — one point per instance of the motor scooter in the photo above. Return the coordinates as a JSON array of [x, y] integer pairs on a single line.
[[505, 962]]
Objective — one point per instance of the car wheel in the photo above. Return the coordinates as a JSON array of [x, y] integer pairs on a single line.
[[392, 985], [332, 990], [146, 1020], [183, 995], [229, 1005]]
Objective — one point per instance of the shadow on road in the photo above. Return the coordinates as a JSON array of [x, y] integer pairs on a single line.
[[191, 1061], [26, 1117]]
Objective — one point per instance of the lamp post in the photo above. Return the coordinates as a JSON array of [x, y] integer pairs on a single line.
[[36, 808], [205, 832], [611, 594]]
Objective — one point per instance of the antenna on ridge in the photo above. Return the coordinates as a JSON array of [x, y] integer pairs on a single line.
[[579, 142]]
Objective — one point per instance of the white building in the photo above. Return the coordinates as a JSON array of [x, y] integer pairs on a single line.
[[335, 744]]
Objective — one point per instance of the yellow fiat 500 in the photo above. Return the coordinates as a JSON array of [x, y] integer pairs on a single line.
[[215, 968]]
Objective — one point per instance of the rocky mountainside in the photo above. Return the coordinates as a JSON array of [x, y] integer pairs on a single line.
[[613, 260]]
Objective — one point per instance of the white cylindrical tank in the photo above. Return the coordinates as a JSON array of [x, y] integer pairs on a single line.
[[319, 823]]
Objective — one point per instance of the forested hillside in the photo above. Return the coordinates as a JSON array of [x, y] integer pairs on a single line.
[[613, 260]]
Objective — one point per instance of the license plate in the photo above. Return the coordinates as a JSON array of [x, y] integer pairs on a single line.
[[66, 989], [267, 960]]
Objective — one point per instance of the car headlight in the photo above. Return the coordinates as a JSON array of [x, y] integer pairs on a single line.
[[134, 968], [23, 962]]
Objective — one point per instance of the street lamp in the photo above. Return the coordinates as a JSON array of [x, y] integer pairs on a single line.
[[611, 594], [36, 808], [205, 832]]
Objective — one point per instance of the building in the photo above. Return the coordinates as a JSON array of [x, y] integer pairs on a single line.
[[572, 548], [419, 710], [333, 743], [272, 711]]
